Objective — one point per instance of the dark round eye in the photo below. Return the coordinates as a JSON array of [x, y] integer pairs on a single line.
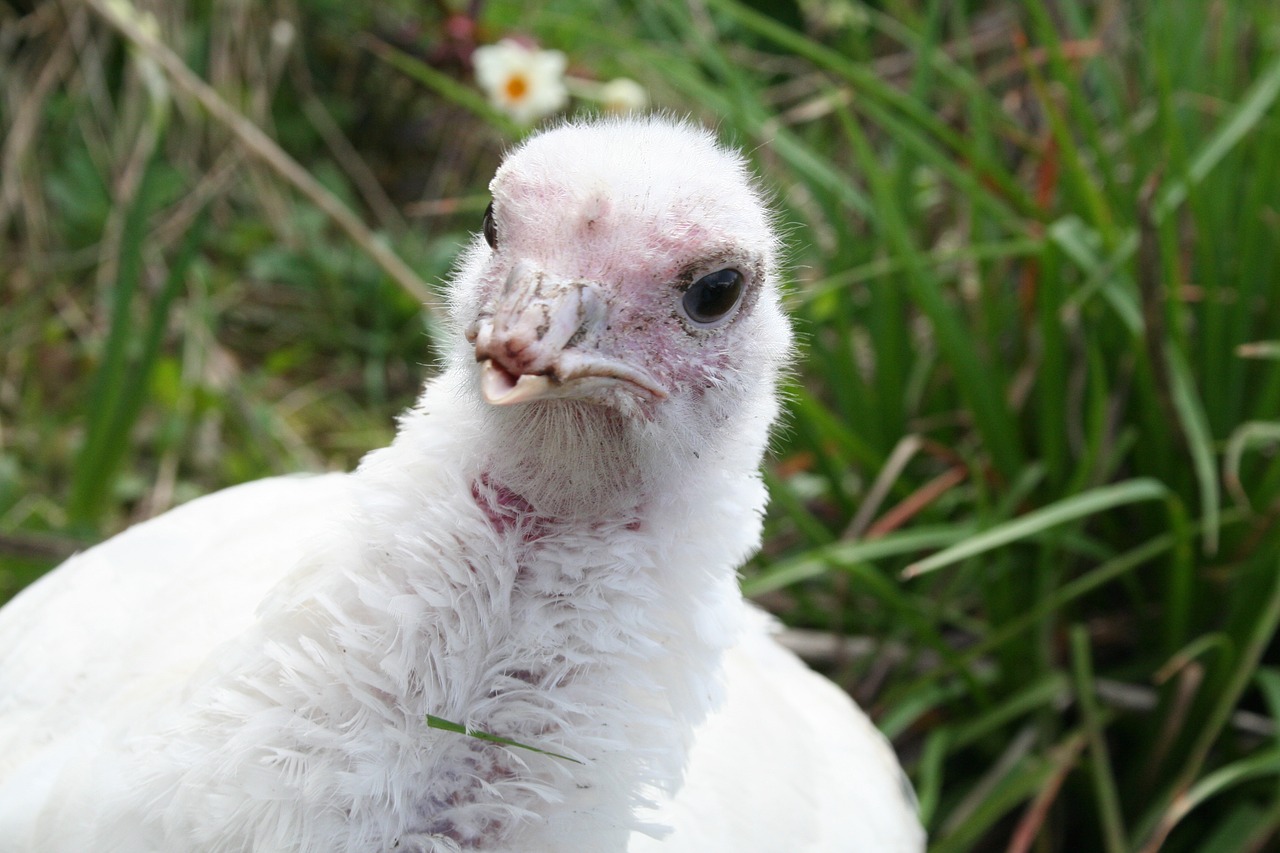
[[490, 228], [713, 296]]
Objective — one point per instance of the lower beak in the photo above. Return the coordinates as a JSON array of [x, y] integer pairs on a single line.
[[501, 388]]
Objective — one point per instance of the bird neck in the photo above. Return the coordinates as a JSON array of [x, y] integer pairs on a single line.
[[577, 599], [566, 462]]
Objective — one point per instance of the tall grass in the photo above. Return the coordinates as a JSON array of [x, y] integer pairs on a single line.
[[1031, 450]]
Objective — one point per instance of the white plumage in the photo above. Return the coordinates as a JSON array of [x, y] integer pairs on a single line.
[[547, 553]]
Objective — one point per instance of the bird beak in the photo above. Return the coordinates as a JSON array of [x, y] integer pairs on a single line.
[[501, 388], [539, 339]]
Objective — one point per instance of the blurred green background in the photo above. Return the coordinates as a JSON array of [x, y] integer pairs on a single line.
[[1027, 492]]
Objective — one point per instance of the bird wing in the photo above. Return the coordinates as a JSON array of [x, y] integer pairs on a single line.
[[119, 629], [788, 762]]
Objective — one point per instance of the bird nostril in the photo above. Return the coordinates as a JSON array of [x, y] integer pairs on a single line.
[[502, 352]]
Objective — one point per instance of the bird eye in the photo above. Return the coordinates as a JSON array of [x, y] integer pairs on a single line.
[[713, 296], [490, 228]]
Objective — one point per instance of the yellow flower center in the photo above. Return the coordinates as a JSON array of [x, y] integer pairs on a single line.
[[517, 87]]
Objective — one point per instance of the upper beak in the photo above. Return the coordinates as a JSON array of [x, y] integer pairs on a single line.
[[539, 338]]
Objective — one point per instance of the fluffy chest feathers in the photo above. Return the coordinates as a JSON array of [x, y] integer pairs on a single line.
[[447, 592]]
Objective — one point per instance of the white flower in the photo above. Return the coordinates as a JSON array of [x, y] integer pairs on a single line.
[[623, 96], [525, 83], [283, 33]]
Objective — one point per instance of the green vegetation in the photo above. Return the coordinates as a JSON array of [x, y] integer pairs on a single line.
[[1036, 265]]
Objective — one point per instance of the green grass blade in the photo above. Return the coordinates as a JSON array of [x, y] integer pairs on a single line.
[[1195, 427], [930, 772], [103, 445], [1079, 178], [1042, 694], [1248, 436], [127, 382], [1268, 681], [820, 561], [1246, 115], [457, 728], [1223, 779], [1104, 783], [1070, 509], [1080, 244]]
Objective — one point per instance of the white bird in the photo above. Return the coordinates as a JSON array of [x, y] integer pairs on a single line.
[[546, 553]]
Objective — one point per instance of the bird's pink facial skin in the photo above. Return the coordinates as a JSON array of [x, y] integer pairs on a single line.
[[581, 294]]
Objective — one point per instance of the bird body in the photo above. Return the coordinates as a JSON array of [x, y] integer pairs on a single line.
[[545, 554]]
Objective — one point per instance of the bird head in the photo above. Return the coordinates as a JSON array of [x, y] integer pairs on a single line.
[[620, 313], [625, 263]]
